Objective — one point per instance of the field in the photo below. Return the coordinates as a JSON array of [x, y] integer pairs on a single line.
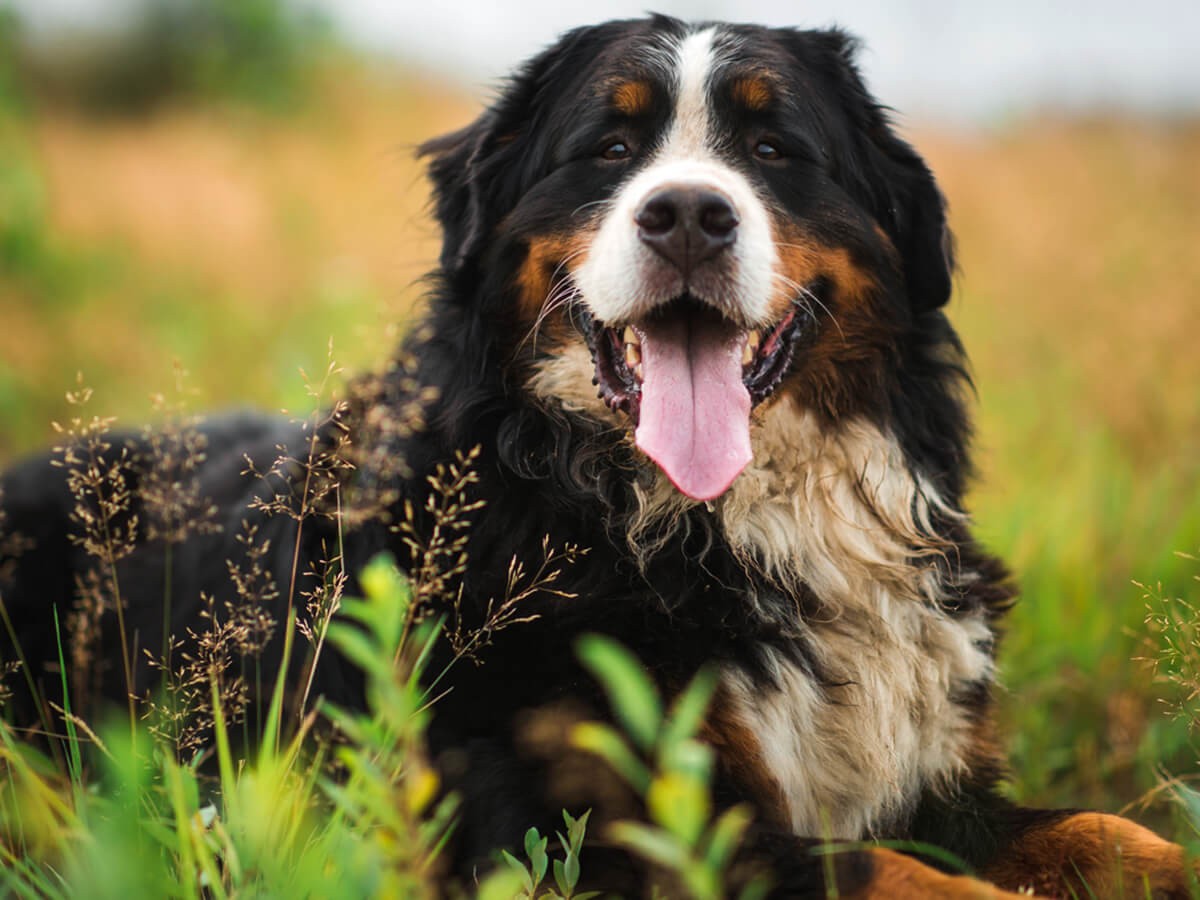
[[239, 243]]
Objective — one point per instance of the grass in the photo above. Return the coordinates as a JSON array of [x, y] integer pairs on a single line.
[[239, 243], [268, 826], [210, 234]]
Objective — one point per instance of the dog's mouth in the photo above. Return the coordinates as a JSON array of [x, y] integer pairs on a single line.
[[687, 378]]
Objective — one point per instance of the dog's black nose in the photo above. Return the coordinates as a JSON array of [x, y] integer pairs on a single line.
[[687, 225]]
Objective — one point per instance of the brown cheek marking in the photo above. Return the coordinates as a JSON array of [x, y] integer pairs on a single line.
[[753, 92], [895, 876], [544, 271], [855, 334], [802, 261], [632, 98], [1092, 855], [740, 757]]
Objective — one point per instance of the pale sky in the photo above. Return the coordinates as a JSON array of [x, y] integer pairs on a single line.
[[932, 59]]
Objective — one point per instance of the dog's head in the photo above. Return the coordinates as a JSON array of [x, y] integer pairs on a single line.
[[674, 226]]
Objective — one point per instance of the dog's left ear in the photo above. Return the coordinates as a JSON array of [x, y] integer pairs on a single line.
[[480, 171], [898, 185]]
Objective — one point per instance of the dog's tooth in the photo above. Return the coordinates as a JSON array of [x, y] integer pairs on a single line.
[[747, 354], [753, 341], [630, 338], [637, 372], [633, 355]]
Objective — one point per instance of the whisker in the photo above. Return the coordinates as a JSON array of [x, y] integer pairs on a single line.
[[562, 290], [577, 210], [809, 297]]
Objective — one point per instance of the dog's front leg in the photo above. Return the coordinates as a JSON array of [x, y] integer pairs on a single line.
[[1090, 854], [894, 876]]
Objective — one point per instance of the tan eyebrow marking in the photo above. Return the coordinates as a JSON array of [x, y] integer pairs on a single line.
[[753, 92], [632, 98]]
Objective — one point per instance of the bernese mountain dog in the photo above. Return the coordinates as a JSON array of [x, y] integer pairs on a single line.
[[689, 310]]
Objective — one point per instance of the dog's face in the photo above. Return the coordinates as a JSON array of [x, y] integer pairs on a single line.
[[676, 225]]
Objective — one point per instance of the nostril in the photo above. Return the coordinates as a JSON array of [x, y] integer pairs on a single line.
[[657, 215], [687, 225], [717, 218]]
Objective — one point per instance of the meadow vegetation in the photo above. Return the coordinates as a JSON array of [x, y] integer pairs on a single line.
[[226, 232]]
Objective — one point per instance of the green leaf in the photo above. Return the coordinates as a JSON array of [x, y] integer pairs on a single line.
[[503, 885], [577, 828], [517, 866], [688, 757], [560, 878], [537, 856], [571, 871], [633, 696], [725, 836], [702, 883], [687, 712], [531, 839], [357, 647], [680, 804], [388, 592], [650, 843], [609, 746]]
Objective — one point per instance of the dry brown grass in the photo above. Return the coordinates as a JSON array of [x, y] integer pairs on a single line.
[[1079, 254], [214, 235], [232, 197]]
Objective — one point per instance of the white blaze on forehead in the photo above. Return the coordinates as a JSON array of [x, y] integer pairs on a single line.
[[621, 278], [695, 61]]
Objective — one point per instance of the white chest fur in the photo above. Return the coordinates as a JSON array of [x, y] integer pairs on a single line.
[[837, 512], [843, 514], [849, 759]]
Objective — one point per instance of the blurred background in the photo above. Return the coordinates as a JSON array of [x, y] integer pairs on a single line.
[[227, 187]]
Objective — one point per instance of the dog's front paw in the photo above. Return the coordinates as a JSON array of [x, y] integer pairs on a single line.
[[1096, 855]]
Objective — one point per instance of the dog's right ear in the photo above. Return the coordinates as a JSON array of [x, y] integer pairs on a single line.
[[454, 168], [480, 171]]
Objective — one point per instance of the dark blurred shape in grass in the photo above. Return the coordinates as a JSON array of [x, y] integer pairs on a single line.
[[260, 52]]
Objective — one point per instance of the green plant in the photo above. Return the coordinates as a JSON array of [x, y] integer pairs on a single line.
[[670, 768], [278, 824], [566, 870]]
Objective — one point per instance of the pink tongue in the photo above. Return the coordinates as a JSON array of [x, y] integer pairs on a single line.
[[695, 412]]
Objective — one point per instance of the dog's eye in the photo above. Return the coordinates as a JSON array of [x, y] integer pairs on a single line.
[[617, 150], [767, 150]]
